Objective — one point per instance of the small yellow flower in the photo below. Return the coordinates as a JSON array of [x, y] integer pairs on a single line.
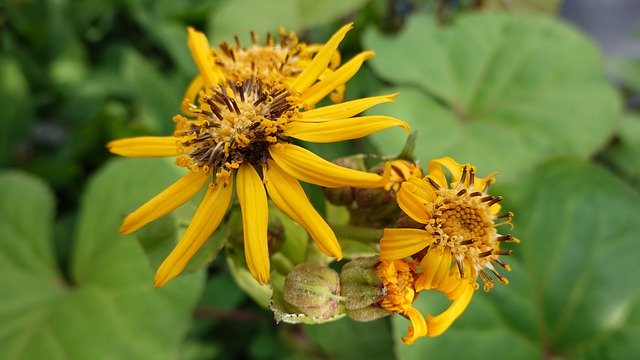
[[242, 129], [398, 279], [455, 239], [401, 171]]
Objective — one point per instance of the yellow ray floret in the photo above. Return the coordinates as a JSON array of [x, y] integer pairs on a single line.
[[165, 202], [203, 57], [309, 167], [323, 87], [344, 110], [286, 192], [410, 201], [343, 129], [436, 325], [401, 243], [144, 146], [418, 326], [204, 222], [319, 63], [255, 219]]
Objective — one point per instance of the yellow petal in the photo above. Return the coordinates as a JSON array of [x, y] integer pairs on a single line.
[[307, 166], [414, 205], [437, 325], [418, 326], [344, 129], [319, 63], [144, 146], [165, 202], [255, 220], [323, 87], [194, 87], [345, 110], [202, 56], [285, 191], [435, 265], [436, 173], [400, 243], [421, 188], [204, 222]]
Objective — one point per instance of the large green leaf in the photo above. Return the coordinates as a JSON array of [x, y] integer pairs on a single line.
[[106, 307], [625, 154], [502, 91], [574, 289], [16, 105]]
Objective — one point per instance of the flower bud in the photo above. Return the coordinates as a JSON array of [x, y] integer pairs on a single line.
[[313, 289], [362, 289], [275, 234]]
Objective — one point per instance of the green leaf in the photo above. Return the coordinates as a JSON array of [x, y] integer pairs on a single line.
[[17, 109], [504, 92], [624, 154], [348, 339], [159, 95], [290, 14], [106, 307], [573, 290]]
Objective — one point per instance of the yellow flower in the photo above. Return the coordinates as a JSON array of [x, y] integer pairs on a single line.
[[455, 237], [242, 129], [398, 279], [401, 171], [279, 60]]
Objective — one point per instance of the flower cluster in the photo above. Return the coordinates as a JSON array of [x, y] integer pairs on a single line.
[[242, 115], [449, 233]]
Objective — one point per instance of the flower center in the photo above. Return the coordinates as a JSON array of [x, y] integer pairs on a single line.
[[398, 279], [274, 61], [464, 222], [235, 124]]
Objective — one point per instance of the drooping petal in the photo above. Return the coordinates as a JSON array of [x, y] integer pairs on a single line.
[[307, 166], [165, 202], [435, 265], [144, 146], [203, 57], [319, 63], [323, 87], [285, 191], [412, 204], [255, 220], [344, 129], [436, 325], [204, 222], [418, 326], [344, 110], [400, 243]]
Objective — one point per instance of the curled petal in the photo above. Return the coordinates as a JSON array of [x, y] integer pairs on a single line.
[[343, 129], [144, 146], [437, 325], [418, 326], [307, 166], [400, 243], [344, 110], [412, 203], [435, 267], [319, 63], [194, 87], [205, 221], [285, 191], [165, 202], [255, 219], [323, 87]]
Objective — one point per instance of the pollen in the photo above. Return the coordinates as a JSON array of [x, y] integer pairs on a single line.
[[234, 124]]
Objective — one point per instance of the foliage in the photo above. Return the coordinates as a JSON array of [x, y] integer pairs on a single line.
[[521, 94]]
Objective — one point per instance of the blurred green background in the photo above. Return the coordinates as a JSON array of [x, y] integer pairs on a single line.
[[510, 86]]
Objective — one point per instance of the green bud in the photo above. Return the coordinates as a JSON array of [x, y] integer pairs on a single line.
[[313, 289], [406, 221], [362, 289], [344, 196], [275, 233]]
